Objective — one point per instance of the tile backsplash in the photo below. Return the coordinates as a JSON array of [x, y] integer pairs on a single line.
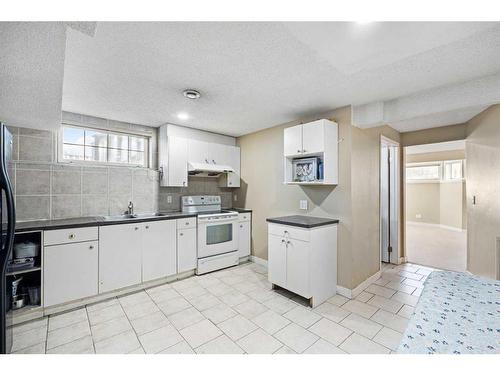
[[46, 189], [196, 186]]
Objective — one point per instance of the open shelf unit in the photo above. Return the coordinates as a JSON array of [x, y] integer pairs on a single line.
[[318, 140]]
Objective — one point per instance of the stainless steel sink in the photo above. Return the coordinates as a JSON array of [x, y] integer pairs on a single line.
[[132, 216]]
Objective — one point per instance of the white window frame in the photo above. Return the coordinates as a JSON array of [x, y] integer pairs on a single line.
[[441, 178], [424, 164], [60, 143]]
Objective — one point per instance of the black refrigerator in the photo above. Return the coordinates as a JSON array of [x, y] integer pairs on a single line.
[[8, 222]]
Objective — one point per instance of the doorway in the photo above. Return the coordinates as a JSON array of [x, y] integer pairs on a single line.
[[435, 217], [389, 200]]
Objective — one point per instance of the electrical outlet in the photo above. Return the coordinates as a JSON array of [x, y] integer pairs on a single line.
[[235, 197], [418, 216], [303, 204], [169, 199]]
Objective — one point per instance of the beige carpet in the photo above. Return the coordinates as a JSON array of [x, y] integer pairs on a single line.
[[436, 247]]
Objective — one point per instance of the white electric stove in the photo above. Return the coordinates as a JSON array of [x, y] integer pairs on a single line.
[[217, 232]]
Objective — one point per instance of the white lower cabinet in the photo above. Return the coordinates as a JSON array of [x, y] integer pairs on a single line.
[[186, 249], [304, 261], [159, 256], [70, 272], [244, 235], [120, 256]]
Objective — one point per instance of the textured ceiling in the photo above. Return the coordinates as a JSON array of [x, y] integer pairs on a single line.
[[256, 75], [31, 73]]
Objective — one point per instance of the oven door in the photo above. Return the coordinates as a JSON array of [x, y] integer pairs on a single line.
[[217, 237]]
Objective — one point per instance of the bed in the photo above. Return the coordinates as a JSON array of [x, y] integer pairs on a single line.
[[456, 314]]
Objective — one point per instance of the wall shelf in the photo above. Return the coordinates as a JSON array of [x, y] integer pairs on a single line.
[[317, 139]]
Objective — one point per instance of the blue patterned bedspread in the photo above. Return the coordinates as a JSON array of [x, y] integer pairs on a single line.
[[457, 314]]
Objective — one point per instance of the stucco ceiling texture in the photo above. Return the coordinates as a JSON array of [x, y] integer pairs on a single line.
[[256, 75]]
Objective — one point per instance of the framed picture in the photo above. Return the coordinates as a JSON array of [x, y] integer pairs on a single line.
[[305, 170]]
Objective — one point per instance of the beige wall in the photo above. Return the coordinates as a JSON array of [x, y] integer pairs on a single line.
[[434, 135], [354, 201], [435, 156], [483, 181], [423, 199]]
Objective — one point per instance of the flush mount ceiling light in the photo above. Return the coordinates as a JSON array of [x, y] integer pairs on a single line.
[[182, 116], [191, 94]]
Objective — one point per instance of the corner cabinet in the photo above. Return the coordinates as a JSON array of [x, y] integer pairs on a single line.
[[172, 160], [304, 261], [317, 140]]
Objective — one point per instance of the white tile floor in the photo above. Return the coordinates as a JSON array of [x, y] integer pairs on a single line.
[[233, 311]]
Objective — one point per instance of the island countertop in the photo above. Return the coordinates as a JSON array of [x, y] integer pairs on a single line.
[[302, 221]]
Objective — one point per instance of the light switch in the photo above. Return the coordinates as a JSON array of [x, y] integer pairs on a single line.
[[169, 199], [418, 216], [303, 204], [235, 197]]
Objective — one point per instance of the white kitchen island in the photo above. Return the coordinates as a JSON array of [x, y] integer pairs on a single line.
[[302, 256]]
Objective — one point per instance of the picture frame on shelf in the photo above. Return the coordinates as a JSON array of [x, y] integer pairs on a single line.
[[305, 169]]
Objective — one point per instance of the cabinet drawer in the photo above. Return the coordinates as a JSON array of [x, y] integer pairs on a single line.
[[60, 236], [188, 222], [289, 231], [244, 216]]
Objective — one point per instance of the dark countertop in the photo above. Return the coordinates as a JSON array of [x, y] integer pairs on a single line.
[[91, 221], [239, 210], [302, 221]]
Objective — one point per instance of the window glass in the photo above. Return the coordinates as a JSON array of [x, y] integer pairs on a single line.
[[118, 141], [423, 172], [117, 156], [72, 152], [93, 138], [101, 146], [97, 154], [453, 170], [74, 135]]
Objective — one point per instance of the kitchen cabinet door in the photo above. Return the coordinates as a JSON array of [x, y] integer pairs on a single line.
[[177, 161], [159, 257], [198, 151], [297, 267], [70, 272], [233, 178], [120, 256], [313, 140], [186, 250], [277, 260], [244, 239], [293, 140]]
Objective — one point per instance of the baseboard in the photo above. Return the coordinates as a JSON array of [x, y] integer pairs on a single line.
[[353, 293], [257, 260], [402, 260], [433, 225]]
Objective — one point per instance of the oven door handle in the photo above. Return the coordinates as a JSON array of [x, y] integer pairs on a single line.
[[216, 222]]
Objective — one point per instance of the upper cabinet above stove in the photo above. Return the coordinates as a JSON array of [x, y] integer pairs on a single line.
[[180, 156]]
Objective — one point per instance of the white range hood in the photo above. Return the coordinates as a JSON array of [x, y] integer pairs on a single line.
[[207, 169]]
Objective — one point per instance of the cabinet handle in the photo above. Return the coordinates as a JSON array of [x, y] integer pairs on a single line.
[[183, 183], [147, 226], [230, 183], [282, 241], [91, 247], [181, 234], [136, 228], [288, 242], [213, 161], [241, 226], [187, 223], [303, 150], [298, 151], [72, 236]]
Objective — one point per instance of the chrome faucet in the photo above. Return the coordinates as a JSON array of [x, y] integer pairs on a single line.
[[130, 210]]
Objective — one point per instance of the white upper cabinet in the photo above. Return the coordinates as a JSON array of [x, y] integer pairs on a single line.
[[317, 140], [312, 137], [232, 158], [172, 160], [293, 140]]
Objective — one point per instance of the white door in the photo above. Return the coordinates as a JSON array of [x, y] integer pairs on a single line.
[[312, 137], [293, 140], [120, 256], [186, 250], [177, 161], [159, 258], [277, 260], [297, 267], [70, 272], [244, 239]]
